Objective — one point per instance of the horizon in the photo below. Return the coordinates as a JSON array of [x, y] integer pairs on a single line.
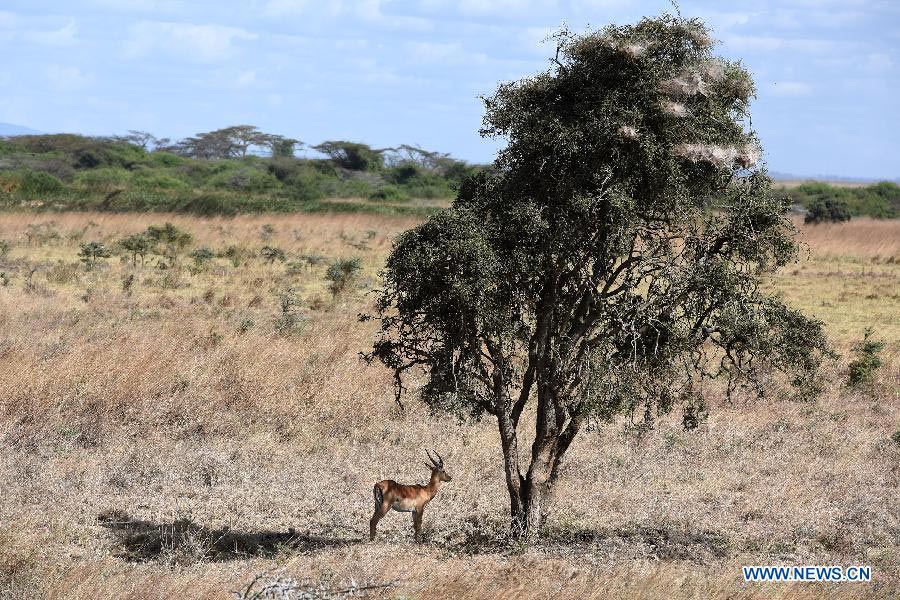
[[387, 72]]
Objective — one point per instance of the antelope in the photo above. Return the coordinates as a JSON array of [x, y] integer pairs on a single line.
[[408, 498]]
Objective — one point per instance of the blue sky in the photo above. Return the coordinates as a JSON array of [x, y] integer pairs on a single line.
[[387, 72]]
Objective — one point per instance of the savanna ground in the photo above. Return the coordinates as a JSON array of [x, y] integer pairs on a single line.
[[178, 438]]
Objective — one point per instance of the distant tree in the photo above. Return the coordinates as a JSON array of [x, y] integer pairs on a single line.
[[137, 244], [828, 210], [612, 260], [91, 252], [168, 241], [231, 142], [351, 155], [284, 146], [144, 140]]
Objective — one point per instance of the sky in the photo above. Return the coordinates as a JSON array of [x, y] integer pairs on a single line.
[[388, 72]]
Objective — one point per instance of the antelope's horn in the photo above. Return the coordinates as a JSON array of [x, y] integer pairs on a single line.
[[434, 461], [440, 460]]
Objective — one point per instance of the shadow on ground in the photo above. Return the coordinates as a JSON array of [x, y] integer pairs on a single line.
[[186, 542], [636, 540]]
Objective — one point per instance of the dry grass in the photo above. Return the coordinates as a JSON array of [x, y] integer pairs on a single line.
[[174, 442]]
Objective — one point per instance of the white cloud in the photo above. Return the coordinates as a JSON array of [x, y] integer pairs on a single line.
[[64, 36], [790, 88], [245, 79], [879, 62], [369, 11], [443, 53], [8, 20], [67, 78], [203, 43], [775, 44]]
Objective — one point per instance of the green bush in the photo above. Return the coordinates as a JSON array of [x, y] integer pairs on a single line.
[[868, 360], [342, 273], [829, 210], [103, 179], [244, 179], [166, 159], [880, 200], [156, 180], [30, 183], [389, 192], [91, 252]]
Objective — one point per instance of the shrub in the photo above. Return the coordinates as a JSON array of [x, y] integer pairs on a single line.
[[896, 437], [137, 244], [342, 273], [166, 159], [103, 179], [168, 240], [829, 210], [389, 192], [155, 180], [235, 254], [244, 179], [91, 252], [201, 256], [272, 253], [38, 183], [868, 360]]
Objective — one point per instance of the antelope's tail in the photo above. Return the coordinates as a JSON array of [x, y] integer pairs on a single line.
[[379, 496]]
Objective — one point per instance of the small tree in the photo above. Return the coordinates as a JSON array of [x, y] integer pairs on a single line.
[[91, 252], [168, 241], [137, 244], [351, 155], [341, 274], [201, 257], [611, 261], [868, 360], [272, 253], [828, 210]]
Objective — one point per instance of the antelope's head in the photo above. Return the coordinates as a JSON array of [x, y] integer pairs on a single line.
[[437, 465]]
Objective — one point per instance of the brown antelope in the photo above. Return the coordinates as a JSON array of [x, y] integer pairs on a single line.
[[408, 498]]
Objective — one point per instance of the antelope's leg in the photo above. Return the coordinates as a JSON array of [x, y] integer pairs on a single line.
[[381, 509], [417, 523]]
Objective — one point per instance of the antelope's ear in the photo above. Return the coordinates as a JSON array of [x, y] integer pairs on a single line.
[[430, 468]]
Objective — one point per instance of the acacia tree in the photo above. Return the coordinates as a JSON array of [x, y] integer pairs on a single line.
[[610, 262]]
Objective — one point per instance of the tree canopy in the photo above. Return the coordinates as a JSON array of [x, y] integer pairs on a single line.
[[610, 263]]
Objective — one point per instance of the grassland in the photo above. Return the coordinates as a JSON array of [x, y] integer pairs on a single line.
[[175, 439]]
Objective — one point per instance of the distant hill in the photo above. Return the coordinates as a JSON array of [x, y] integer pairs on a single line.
[[7, 129], [790, 179]]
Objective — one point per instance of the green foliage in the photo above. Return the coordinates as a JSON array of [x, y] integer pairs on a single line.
[[245, 179], [867, 362], [342, 274], [147, 179], [829, 210], [352, 155], [168, 240], [201, 256], [220, 176], [5, 247], [166, 159], [271, 253], [895, 437], [288, 302], [91, 252], [32, 184], [880, 200], [235, 254], [103, 179], [389, 193], [136, 244]]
